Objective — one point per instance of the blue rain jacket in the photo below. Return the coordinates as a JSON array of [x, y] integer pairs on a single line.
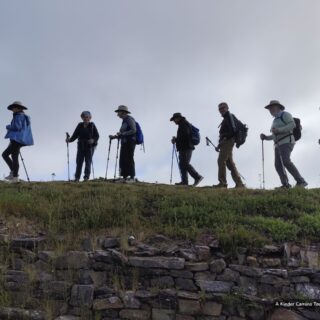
[[20, 129]]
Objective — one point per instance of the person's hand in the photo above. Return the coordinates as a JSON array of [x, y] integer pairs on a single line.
[[67, 140], [91, 141], [274, 130], [217, 149], [8, 127], [262, 136], [173, 140]]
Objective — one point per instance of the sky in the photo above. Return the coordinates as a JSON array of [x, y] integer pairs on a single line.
[[159, 57]]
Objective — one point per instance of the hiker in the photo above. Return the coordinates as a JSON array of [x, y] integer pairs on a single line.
[[127, 136], [20, 135], [227, 135], [185, 147], [284, 141], [87, 134]]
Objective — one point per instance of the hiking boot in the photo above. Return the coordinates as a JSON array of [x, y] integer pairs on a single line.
[[85, 179], [220, 186], [197, 181], [130, 180], [14, 180], [181, 184], [301, 184], [76, 180], [240, 186], [284, 187], [10, 176]]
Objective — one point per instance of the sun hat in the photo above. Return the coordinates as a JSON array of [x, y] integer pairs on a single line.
[[275, 103], [17, 104], [176, 115], [122, 109]]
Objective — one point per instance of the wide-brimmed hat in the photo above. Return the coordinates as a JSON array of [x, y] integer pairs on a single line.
[[275, 103], [17, 104], [176, 115], [122, 109]]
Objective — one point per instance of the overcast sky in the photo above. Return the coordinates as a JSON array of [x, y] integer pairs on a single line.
[[159, 57]]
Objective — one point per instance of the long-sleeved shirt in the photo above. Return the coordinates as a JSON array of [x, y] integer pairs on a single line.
[[284, 124], [83, 134], [128, 129], [184, 136], [227, 127]]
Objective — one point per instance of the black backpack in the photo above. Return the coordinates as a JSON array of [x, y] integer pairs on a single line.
[[297, 131], [240, 129]]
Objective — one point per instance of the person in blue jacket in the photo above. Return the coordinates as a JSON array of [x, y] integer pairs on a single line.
[[20, 135]]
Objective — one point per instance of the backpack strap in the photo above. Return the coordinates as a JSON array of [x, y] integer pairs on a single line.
[[289, 135], [233, 124]]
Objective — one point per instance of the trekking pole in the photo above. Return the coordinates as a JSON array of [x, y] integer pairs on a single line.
[[263, 176], [68, 137], [172, 163], [208, 142], [24, 166], [109, 149], [115, 169]]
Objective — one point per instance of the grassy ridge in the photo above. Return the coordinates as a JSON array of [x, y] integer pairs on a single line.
[[237, 217]]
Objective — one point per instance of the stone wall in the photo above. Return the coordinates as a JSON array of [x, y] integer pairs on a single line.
[[157, 279]]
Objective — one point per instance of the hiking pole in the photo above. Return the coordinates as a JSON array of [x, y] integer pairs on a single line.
[[25, 169], [208, 142], [115, 169], [263, 176], [91, 148], [109, 149], [68, 137], [172, 163]]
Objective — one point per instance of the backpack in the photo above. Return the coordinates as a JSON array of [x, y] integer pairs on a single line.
[[297, 131], [241, 131], [195, 135], [139, 134]]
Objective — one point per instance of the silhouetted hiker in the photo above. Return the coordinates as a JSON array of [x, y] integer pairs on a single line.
[[282, 135], [227, 135], [87, 134], [185, 146], [127, 136], [20, 135]]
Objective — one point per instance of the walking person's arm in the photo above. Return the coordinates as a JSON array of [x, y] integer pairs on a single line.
[[288, 122], [17, 123], [75, 134]]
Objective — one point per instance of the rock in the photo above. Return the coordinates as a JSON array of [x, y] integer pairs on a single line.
[[162, 282], [166, 299], [185, 284], [301, 272], [272, 249], [47, 256], [58, 290], [146, 250], [72, 260], [145, 294], [229, 275], [163, 314], [277, 272], [204, 276], [87, 244], [215, 286], [247, 271], [30, 243], [248, 285], [294, 262], [311, 291], [109, 256], [273, 280], [106, 304], [188, 295], [295, 250], [212, 309], [217, 266], [252, 261], [301, 279], [157, 262], [135, 314], [190, 307], [271, 262], [184, 317], [284, 314], [311, 257], [82, 296], [255, 313], [66, 317], [104, 292], [109, 243], [188, 254], [181, 274], [197, 266], [316, 277], [21, 314], [203, 252], [130, 301]]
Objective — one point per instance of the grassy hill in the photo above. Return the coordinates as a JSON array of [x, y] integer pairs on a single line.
[[248, 218]]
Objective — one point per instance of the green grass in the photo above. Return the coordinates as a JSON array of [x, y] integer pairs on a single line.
[[238, 217]]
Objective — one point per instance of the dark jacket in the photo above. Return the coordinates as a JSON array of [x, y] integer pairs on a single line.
[[227, 127], [184, 136], [84, 134], [128, 129]]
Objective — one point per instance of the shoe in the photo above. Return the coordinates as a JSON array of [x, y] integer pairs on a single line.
[[240, 186], [283, 187], [14, 180], [10, 176], [220, 186], [76, 180], [85, 179], [197, 181], [181, 184], [130, 180], [301, 184]]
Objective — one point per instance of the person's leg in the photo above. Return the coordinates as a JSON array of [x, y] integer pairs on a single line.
[[184, 159], [280, 167], [124, 163], [231, 165], [79, 161], [131, 164], [286, 150], [88, 161], [15, 158], [6, 156], [190, 169], [222, 163]]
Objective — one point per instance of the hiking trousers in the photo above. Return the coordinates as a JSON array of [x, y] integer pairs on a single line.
[[283, 162], [186, 167], [84, 154], [13, 150], [126, 162], [225, 160]]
